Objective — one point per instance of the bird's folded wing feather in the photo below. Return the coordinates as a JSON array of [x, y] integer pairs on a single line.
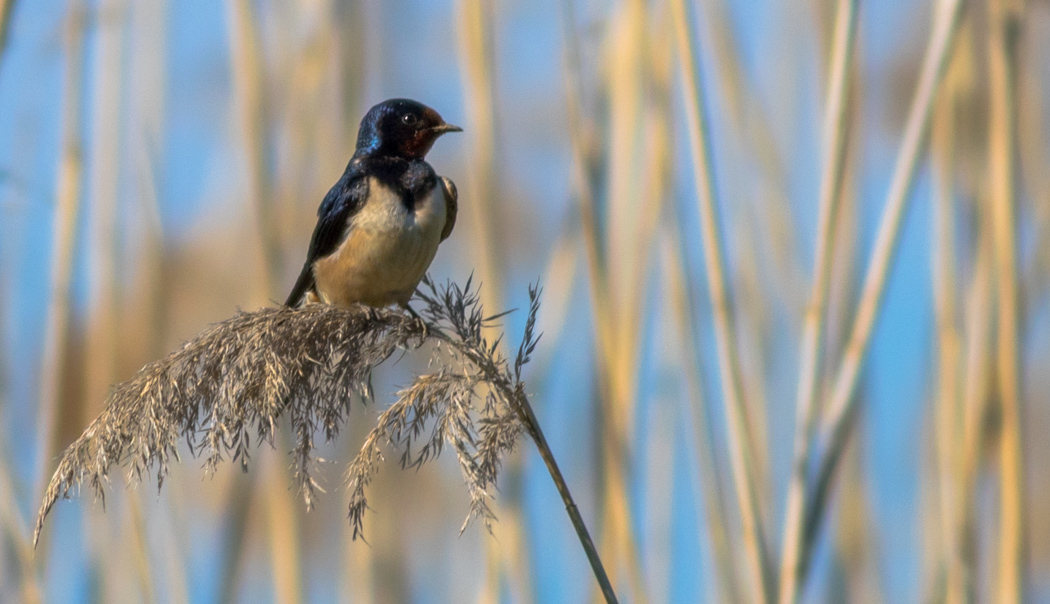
[[340, 204], [451, 206]]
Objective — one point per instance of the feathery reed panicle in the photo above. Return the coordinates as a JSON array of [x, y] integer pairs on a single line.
[[235, 378], [244, 374], [462, 404]]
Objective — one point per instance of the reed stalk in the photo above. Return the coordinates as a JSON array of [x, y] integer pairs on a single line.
[[250, 104], [13, 524], [140, 549], [755, 130], [712, 492], [976, 387], [1004, 21], [284, 541], [811, 348], [840, 412], [947, 405], [64, 228], [6, 10], [248, 92], [614, 386], [241, 376], [741, 457], [477, 35]]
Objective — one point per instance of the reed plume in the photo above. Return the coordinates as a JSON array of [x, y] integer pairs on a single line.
[[233, 380], [243, 375]]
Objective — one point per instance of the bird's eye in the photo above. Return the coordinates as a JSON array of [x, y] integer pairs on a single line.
[[408, 119]]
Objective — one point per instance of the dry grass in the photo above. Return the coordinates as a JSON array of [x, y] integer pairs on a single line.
[[232, 383], [246, 374]]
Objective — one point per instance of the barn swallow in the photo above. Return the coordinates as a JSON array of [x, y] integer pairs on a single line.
[[379, 227]]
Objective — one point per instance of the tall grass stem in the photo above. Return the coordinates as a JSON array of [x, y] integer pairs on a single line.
[[841, 406], [741, 455], [811, 348]]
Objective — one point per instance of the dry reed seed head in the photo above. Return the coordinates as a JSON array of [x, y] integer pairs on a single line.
[[471, 404], [232, 380], [240, 376]]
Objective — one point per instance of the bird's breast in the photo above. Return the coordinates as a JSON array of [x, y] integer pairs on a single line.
[[387, 249]]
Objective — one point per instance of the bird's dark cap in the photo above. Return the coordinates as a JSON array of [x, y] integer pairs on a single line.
[[401, 128]]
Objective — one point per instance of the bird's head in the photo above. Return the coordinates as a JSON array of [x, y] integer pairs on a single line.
[[402, 128]]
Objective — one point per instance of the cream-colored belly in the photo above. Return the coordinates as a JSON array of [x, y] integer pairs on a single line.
[[386, 252]]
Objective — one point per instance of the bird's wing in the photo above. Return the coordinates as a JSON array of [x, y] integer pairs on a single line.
[[451, 206], [344, 200]]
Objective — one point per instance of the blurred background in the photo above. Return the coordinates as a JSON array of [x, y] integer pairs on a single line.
[[161, 164]]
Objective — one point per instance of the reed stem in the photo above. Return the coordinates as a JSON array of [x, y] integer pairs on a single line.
[[520, 401], [841, 407], [527, 416], [741, 456], [811, 348], [1004, 27]]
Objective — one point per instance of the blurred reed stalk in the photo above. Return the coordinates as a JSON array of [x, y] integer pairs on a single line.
[[836, 129], [976, 387], [741, 451], [1032, 156], [175, 568], [1004, 23], [6, 9], [14, 527], [250, 104], [948, 407], [638, 77], [839, 415], [620, 543], [476, 21], [64, 228], [754, 128], [698, 413], [104, 236], [140, 555]]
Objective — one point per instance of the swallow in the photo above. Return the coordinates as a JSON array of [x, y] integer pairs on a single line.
[[379, 227]]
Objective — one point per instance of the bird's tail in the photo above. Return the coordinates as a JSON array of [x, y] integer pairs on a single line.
[[303, 285]]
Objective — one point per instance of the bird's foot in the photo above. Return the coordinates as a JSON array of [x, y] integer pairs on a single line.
[[421, 324], [373, 314]]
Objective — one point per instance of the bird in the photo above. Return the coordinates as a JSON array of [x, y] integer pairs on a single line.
[[379, 227]]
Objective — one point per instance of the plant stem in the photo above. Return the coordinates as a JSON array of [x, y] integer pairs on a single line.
[[527, 416], [614, 384], [841, 407], [811, 352], [6, 9], [1004, 22], [741, 452], [515, 396]]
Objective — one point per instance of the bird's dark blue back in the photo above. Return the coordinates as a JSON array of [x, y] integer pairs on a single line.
[[341, 202], [409, 179]]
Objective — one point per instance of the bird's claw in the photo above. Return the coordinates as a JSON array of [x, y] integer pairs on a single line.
[[373, 314], [419, 322]]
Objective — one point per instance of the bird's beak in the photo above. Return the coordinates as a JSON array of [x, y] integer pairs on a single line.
[[443, 128]]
